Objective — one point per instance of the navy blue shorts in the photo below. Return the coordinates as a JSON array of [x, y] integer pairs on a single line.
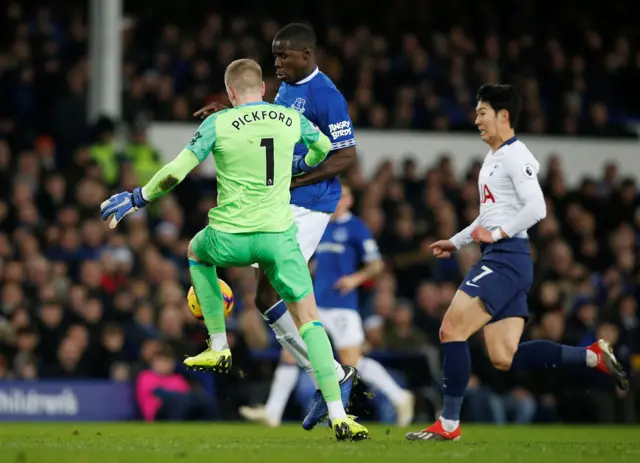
[[502, 278]]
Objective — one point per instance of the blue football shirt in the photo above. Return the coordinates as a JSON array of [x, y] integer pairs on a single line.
[[347, 243], [318, 99]]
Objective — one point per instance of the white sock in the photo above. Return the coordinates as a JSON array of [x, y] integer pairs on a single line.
[[289, 338], [287, 335], [449, 425], [339, 374], [339, 370], [336, 410], [285, 379], [592, 359], [377, 376], [219, 341]]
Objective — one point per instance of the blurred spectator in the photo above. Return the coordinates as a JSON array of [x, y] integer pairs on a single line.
[[78, 300], [578, 82], [103, 150], [163, 394], [144, 158]]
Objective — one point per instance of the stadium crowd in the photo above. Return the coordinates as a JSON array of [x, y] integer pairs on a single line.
[[578, 76], [78, 300]]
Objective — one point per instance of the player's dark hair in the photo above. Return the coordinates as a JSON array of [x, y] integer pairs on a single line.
[[298, 35], [501, 97]]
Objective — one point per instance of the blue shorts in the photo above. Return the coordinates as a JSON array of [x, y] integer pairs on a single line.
[[502, 278]]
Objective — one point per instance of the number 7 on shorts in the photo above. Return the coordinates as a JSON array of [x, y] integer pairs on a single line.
[[485, 271]]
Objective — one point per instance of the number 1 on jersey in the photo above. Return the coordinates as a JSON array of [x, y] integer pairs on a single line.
[[267, 143]]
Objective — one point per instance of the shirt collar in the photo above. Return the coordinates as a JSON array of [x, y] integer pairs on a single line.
[[252, 104], [309, 77], [508, 142]]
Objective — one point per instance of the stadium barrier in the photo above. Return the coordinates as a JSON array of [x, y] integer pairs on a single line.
[[103, 400], [580, 156], [66, 401]]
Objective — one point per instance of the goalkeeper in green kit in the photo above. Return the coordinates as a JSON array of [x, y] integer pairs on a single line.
[[252, 145]]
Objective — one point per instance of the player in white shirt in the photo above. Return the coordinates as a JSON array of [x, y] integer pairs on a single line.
[[493, 295]]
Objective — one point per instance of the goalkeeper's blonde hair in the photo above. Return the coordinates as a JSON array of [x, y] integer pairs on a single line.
[[244, 76]]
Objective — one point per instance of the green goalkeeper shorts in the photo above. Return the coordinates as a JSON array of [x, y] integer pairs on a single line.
[[278, 254]]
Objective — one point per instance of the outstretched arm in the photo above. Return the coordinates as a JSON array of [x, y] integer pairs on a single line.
[[196, 151], [122, 204], [170, 175], [464, 237]]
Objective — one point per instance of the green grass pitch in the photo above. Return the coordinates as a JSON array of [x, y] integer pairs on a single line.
[[226, 443]]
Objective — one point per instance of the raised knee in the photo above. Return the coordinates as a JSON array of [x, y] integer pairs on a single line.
[[190, 252], [502, 360], [450, 332], [502, 364], [443, 334]]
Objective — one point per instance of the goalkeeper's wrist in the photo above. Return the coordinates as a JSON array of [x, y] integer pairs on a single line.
[[138, 198], [303, 166]]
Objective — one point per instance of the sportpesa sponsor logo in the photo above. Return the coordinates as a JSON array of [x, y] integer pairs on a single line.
[[340, 129]]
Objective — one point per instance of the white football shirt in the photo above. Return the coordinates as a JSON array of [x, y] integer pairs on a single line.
[[510, 193]]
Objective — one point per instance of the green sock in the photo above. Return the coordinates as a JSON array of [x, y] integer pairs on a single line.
[[205, 284], [321, 358]]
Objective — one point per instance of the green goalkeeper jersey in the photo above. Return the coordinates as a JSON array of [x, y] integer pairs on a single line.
[[253, 146]]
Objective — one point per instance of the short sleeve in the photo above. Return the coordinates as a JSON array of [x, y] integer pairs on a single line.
[[334, 120], [317, 142], [204, 140], [367, 246], [309, 133]]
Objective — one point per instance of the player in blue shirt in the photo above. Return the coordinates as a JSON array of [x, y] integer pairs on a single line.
[[346, 257], [314, 197]]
